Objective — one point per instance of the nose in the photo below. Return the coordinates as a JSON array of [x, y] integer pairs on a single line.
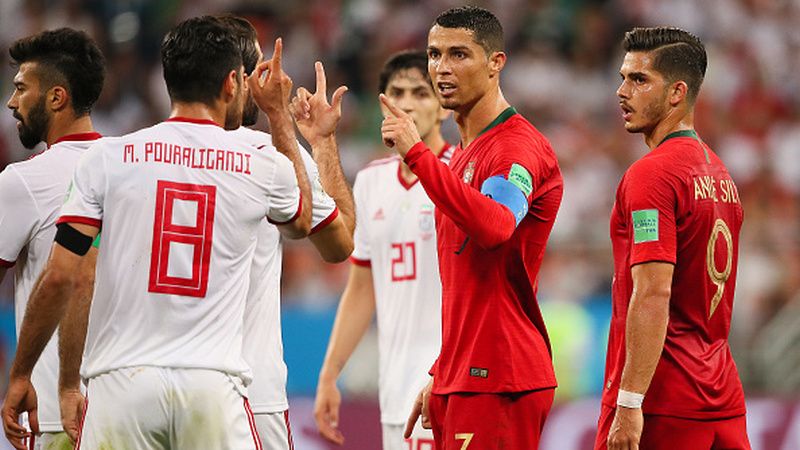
[[12, 101], [623, 91], [404, 102]]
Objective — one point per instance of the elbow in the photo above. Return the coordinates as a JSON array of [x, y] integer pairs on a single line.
[[495, 237], [338, 254]]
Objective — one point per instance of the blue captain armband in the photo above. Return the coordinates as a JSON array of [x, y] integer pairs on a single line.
[[503, 191]]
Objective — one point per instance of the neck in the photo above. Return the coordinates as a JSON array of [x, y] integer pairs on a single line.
[[435, 142], [472, 119], [196, 110], [675, 121], [61, 127]]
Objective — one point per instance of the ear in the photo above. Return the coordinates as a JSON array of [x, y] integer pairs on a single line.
[[497, 60], [678, 93], [57, 98], [230, 86]]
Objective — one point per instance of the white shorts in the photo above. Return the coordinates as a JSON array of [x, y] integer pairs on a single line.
[[151, 408], [421, 439], [274, 430], [48, 441]]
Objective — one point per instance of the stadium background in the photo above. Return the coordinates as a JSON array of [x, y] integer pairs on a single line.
[[562, 74]]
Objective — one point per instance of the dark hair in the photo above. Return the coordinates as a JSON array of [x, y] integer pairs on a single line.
[[679, 55], [65, 57], [405, 60], [247, 39], [197, 55], [485, 27]]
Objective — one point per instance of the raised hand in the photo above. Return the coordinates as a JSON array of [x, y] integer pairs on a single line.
[[315, 117], [398, 129], [20, 398], [270, 85]]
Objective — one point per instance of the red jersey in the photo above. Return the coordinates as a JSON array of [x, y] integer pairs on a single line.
[[679, 205], [493, 336]]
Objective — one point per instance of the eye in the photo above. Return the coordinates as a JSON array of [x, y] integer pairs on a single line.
[[459, 54]]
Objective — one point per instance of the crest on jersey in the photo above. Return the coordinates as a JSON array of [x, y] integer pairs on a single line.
[[426, 222], [468, 172]]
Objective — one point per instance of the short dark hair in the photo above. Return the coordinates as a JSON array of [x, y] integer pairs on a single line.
[[197, 55], [679, 55], [404, 60], [485, 27], [65, 56], [247, 39]]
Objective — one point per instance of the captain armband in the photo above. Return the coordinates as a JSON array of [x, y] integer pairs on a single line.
[[508, 194], [72, 239]]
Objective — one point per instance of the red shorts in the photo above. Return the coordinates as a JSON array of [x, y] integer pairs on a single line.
[[464, 421], [671, 433]]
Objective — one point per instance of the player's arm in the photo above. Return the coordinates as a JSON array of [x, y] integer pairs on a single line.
[[271, 90], [353, 318], [645, 332], [71, 341], [317, 121], [46, 306], [489, 216]]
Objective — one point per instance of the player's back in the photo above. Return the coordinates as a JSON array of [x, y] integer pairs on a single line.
[[180, 203], [704, 241]]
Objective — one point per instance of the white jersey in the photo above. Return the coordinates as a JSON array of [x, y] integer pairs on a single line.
[[263, 343], [31, 195], [179, 204], [396, 236]]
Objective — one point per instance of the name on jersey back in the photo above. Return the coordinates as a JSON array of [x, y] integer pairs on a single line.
[[194, 158]]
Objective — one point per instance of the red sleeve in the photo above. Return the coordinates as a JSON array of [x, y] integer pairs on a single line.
[[487, 222], [649, 201]]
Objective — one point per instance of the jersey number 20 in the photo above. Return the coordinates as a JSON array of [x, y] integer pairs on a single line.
[[183, 226]]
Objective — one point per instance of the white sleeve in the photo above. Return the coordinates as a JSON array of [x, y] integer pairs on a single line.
[[284, 193], [324, 207], [361, 252], [19, 216], [85, 195]]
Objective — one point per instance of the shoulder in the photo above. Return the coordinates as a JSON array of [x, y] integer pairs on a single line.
[[12, 182], [258, 139], [379, 166]]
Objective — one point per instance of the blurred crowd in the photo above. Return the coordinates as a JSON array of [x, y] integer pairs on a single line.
[[562, 73]]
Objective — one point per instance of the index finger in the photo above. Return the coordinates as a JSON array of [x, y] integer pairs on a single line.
[[396, 112], [412, 420], [277, 55], [322, 83]]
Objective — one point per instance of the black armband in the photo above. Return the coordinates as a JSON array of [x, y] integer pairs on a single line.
[[72, 239]]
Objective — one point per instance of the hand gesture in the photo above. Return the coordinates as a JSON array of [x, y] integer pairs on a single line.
[[315, 117], [271, 91], [72, 404], [398, 129], [420, 408], [326, 412], [626, 429], [20, 397]]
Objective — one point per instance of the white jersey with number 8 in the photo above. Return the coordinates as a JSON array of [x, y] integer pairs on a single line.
[[179, 204]]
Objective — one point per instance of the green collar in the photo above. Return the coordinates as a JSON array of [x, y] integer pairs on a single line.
[[508, 112], [681, 133], [691, 134]]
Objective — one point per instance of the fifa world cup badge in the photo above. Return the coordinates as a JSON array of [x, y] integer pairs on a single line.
[[469, 172]]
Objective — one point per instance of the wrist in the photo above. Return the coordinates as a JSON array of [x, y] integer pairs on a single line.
[[322, 142], [631, 400], [327, 378]]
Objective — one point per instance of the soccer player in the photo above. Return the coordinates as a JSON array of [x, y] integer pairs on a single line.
[[394, 270], [493, 382], [331, 234], [179, 203], [670, 380], [59, 79]]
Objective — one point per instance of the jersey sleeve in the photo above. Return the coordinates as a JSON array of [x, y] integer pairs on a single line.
[[324, 207], [19, 216], [649, 201], [84, 203], [361, 251], [284, 193]]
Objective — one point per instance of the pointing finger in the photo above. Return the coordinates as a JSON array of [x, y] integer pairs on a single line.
[[391, 107], [277, 55], [322, 83]]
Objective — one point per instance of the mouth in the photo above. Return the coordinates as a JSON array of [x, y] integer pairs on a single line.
[[446, 89], [627, 112]]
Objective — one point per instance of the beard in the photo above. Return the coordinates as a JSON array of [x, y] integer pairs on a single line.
[[652, 114], [33, 129], [250, 113]]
